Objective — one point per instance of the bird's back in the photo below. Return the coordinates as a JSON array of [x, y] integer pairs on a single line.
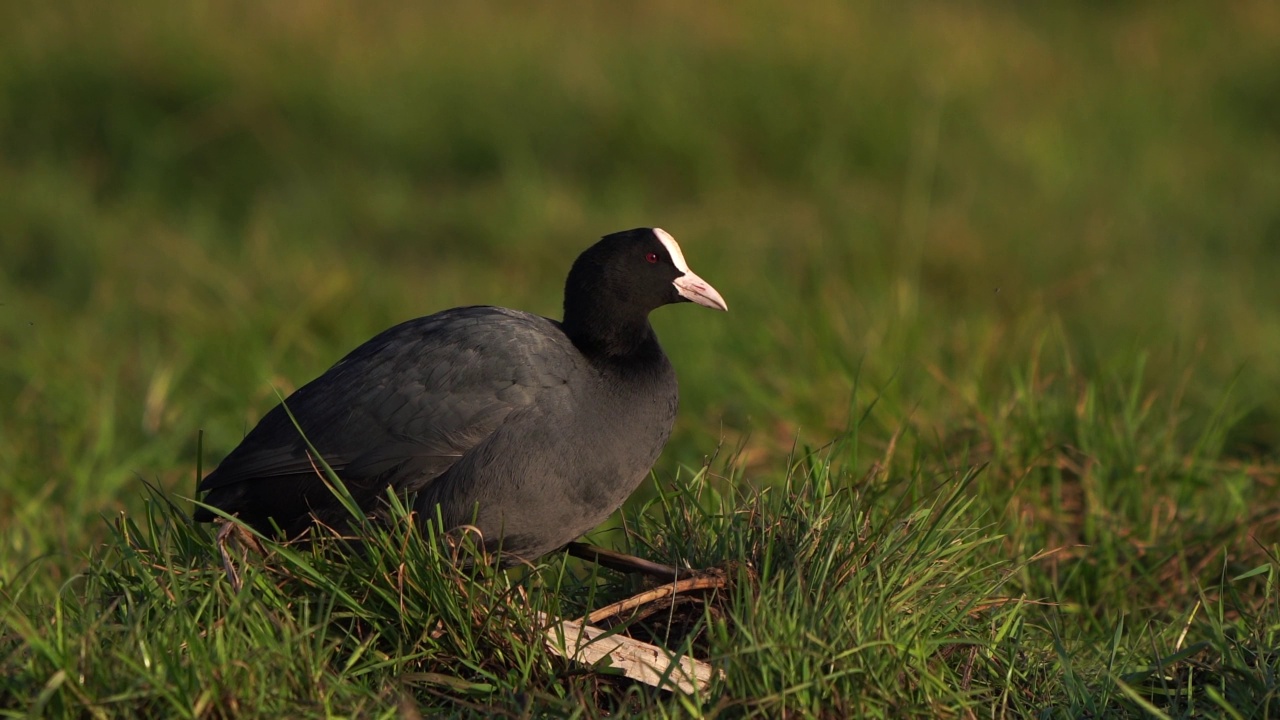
[[397, 411]]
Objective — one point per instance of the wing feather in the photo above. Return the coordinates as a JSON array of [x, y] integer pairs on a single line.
[[399, 410]]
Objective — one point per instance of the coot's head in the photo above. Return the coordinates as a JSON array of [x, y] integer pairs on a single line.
[[615, 283], [641, 270]]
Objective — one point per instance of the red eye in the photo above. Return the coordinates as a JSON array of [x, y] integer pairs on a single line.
[[651, 258]]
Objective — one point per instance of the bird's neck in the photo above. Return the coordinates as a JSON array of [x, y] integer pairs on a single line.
[[610, 336]]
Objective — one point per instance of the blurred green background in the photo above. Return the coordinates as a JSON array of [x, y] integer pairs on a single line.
[[968, 217]]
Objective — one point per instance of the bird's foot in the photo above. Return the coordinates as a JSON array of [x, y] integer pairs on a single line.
[[230, 532]]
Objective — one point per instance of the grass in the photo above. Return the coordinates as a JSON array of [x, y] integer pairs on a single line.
[[991, 430]]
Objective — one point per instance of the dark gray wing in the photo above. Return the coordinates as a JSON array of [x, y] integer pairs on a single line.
[[399, 410]]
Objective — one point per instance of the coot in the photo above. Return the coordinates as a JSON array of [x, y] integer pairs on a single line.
[[530, 429]]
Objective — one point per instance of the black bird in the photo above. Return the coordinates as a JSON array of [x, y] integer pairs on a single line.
[[530, 429]]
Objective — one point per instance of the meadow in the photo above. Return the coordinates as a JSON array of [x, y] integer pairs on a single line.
[[992, 428]]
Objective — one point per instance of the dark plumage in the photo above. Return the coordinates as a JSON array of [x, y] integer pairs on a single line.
[[537, 429]]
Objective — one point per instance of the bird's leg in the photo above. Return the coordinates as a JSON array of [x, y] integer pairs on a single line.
[[625, 563], [673, 581], [232, 531]]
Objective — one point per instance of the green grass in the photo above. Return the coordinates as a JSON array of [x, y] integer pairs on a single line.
[[992, 429]]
